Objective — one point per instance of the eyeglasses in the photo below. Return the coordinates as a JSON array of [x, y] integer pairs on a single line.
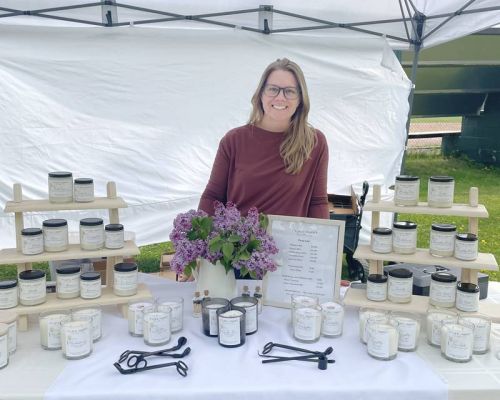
[[290, 92]]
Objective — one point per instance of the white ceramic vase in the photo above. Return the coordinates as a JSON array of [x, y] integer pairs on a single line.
[[215, 279]]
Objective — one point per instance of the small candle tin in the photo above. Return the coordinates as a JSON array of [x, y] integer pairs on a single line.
[[125, 279], [400, 285], [114, 236], [440, 191], [157, 326], [32, 287], [307, 323], [231, 326], [408, 326], [76, 340], [376, 287], [404, 237], [406, 190], [176, 304], [250, 304], [8, 294], [381, 241], [55, 235], [68, 282], [209, 307], [333, 319], [466, 246], [4, 353], [83, 190], [91, 234], [467, 297], [434, 320], [457, 341], [60, 187], [50, 323], [90, 285], [442, 289], [92, 314], [442, 240], [382, 340], [135, 315], [482, 329], [31, 241], [9, 318]]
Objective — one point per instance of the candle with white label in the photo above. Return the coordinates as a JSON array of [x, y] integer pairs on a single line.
[[93, 315], [135, 316], [482, 328], [231, 327], [209, 307], [333, 319], [76, 340], [176, 304], [50, 328], [250, 304], [307, 323], [408, 326], [364, 315], [435, 317], [157, 326], [457, 341], [382, 340]]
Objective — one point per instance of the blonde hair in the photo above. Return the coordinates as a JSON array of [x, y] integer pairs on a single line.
[[300, 137]]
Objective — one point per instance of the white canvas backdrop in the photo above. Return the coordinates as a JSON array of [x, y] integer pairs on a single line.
[[147, 107]]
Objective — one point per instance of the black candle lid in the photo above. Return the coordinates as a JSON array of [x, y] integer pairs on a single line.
[[404, 225], [438, 178], [31, 274], [90, 276], [8, 284], [407, 178], [91, 221], [70, 269], [466, 237], [84, 181], [60, 174], [125, 267], [443, 227], [54, 223], [382, 231], [467, 287], [114, 227], [31, 231], [441, 276], [377, 278], [400, 273]]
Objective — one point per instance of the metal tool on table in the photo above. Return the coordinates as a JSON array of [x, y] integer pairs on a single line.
[[321, 357]]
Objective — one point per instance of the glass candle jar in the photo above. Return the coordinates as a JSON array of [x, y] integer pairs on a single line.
[[400, 285], [176, 304], [382, 340], [231, 327], [381, 241], [32, 287], [457, 341], [467, 297], [125, 279], [442, 289], [367, 313], [8, 294], [442, 240], [250, 304], [93, 315], [466, 246], [333, 319], [55, 235], [84, 190], [4, 353], [157, 326], [135, 316], [31, 241], [301, 300], [91, 234], [68, 282], [307, 323], [209, 307], [404, 237], [408, 326], [9, 318], [76, 340], [90, 285], [482, 328], [60, 187], [434, 320], [376, 287], [114, 236], [406, 190], [440, 191], [50, 328]]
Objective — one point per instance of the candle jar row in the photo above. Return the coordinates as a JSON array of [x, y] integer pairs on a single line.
[[397, 287], [440, 191], [62, 189]]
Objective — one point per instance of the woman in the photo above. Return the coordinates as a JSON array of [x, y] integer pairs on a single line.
[[277, 162]]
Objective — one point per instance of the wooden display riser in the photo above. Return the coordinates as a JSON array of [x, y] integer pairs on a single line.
[[459, 210], [418, 305], [53, 303], [100, 203]]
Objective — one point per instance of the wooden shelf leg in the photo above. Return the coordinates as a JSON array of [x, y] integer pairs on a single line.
[[22, 322]]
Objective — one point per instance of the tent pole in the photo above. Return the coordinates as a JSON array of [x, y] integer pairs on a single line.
[[109, 12]]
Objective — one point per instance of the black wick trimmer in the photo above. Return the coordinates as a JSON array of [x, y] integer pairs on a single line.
[[321, 357]]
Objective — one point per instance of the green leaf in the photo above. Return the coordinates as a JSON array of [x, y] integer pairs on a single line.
[[215, 244], [263, 221], [243, 272], [253, 274], [234, 238], [192, 235], [188, 270], [253, 244], [244, 255], [227, 250]]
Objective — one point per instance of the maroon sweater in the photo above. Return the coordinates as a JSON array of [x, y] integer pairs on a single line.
[[249, 171]]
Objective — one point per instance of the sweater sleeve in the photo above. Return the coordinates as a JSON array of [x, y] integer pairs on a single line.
[[217, 184], [318, 207]]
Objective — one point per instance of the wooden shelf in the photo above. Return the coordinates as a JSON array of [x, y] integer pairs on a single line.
[[12, 256], [484, 261], [459, 210], [418, 304], [45, 205]]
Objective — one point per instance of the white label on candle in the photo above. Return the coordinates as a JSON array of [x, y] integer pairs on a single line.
[[75, 339], [442, 241], [90, 289], [33, 290], [84, 192], [465, 250], [229, 328], [441, 193], [307, 324], [442, 292], [482, 330], [250, 316], [4, 353], [92, 235], [458, 342], [125, 280], [32, 244], [378, 342], [400, 288], [408, 333], [376, 291], [8, 298], [55, 237], [156, 327], [404, 238], [93, 315], [61, 187], [176, 314], [333, 317], [381, 243], [114, 239], [407, 191], [12, 337], [468, 302], [68, 284], [50, 330], [136, 317]]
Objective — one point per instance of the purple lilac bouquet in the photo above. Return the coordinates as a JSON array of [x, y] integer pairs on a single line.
[[237, 242]]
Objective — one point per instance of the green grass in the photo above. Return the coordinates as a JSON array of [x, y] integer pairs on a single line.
[[437, 120]]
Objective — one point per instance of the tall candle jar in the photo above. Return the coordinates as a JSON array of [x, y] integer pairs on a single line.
[[382, 340], [76, 340], [376, 287], [50, 328], [442, 240], [333, 319], [434, 320], [4, 353], [32, 287], [90, 285], [209, 307], [307, 323], [442, 289], [68, 282], [114, 236], [9, 318], [125, 279], [31, 241], [176, 304], [467, 297], [404, 237], [482, 329], [135, 316], [457, 341], [364, 315], [466, 246], [406, 190], [250, 304], [60, 187], [440, 191], [55, 235], [92, 314], [408, 326], [157, 326], [381, 240], [8, 294], [400, 285], [83, 190], [91, 234], [231, 327]]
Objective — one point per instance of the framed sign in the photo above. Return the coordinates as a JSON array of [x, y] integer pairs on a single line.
[[309, 259]]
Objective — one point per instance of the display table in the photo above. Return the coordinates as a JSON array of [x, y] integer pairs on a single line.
[[220, 373]]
